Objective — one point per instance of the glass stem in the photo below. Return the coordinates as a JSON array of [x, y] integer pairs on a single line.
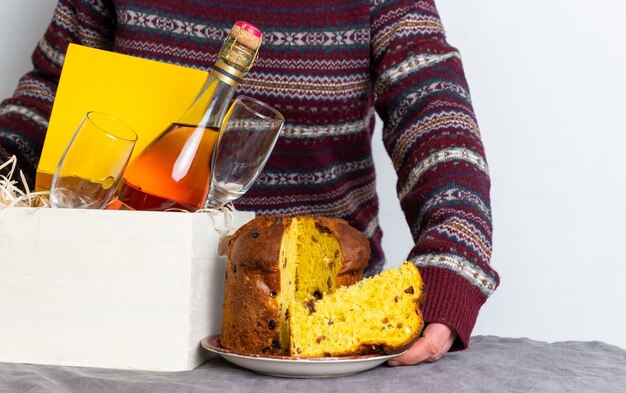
[[214, 200]]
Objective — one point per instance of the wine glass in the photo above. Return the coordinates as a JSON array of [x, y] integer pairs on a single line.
[[93, 162], [246, 139]]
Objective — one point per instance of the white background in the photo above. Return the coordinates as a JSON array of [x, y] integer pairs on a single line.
[[548, 80]]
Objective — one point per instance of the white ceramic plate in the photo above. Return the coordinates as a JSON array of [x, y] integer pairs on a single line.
[[285, 366]]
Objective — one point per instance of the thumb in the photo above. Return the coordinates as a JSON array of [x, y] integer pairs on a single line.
[[435, 342]]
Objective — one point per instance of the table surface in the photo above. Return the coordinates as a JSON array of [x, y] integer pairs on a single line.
[[492, 364]]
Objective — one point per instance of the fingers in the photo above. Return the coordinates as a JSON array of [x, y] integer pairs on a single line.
[[434, 343]]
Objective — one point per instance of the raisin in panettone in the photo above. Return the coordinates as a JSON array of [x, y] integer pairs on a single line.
[[276, 261]]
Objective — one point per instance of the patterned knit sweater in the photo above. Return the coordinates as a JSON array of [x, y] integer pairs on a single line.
[[327, 65]]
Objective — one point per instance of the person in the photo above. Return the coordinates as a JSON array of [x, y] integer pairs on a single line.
[[328, 66]]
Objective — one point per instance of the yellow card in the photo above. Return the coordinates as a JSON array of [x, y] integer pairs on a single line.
[[147, 95]]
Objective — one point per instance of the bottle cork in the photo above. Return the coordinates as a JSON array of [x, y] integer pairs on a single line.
[[247, 35]]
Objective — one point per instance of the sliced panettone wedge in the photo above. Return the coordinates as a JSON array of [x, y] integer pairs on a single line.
[[380, 314]]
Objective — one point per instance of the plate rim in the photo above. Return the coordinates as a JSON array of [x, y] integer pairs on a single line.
[[207, 343]]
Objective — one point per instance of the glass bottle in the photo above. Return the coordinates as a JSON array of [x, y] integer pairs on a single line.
[[173, 171]]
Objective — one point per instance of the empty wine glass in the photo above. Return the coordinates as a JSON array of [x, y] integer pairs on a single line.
[[246, 139], [93, 162]]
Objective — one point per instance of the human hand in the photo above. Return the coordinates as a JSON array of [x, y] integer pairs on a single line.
[[435, 342]]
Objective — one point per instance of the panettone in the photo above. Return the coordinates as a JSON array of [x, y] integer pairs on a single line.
[[377, 314], [276, 261]]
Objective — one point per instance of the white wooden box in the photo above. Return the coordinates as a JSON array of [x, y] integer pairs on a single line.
[[115, 289]]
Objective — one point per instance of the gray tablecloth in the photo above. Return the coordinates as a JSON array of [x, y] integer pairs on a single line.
[[493, 364]]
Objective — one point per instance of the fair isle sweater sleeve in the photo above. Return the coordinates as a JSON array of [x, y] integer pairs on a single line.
[[24, 116], [431, 135]]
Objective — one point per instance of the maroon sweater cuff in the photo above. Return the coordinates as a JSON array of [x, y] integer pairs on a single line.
[[453, 301]]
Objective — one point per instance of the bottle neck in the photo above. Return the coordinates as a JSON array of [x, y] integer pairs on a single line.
[[227, 73], [209, 107]]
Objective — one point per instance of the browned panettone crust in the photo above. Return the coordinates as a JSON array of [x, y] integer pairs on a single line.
[[251, 310], [354, 245]]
